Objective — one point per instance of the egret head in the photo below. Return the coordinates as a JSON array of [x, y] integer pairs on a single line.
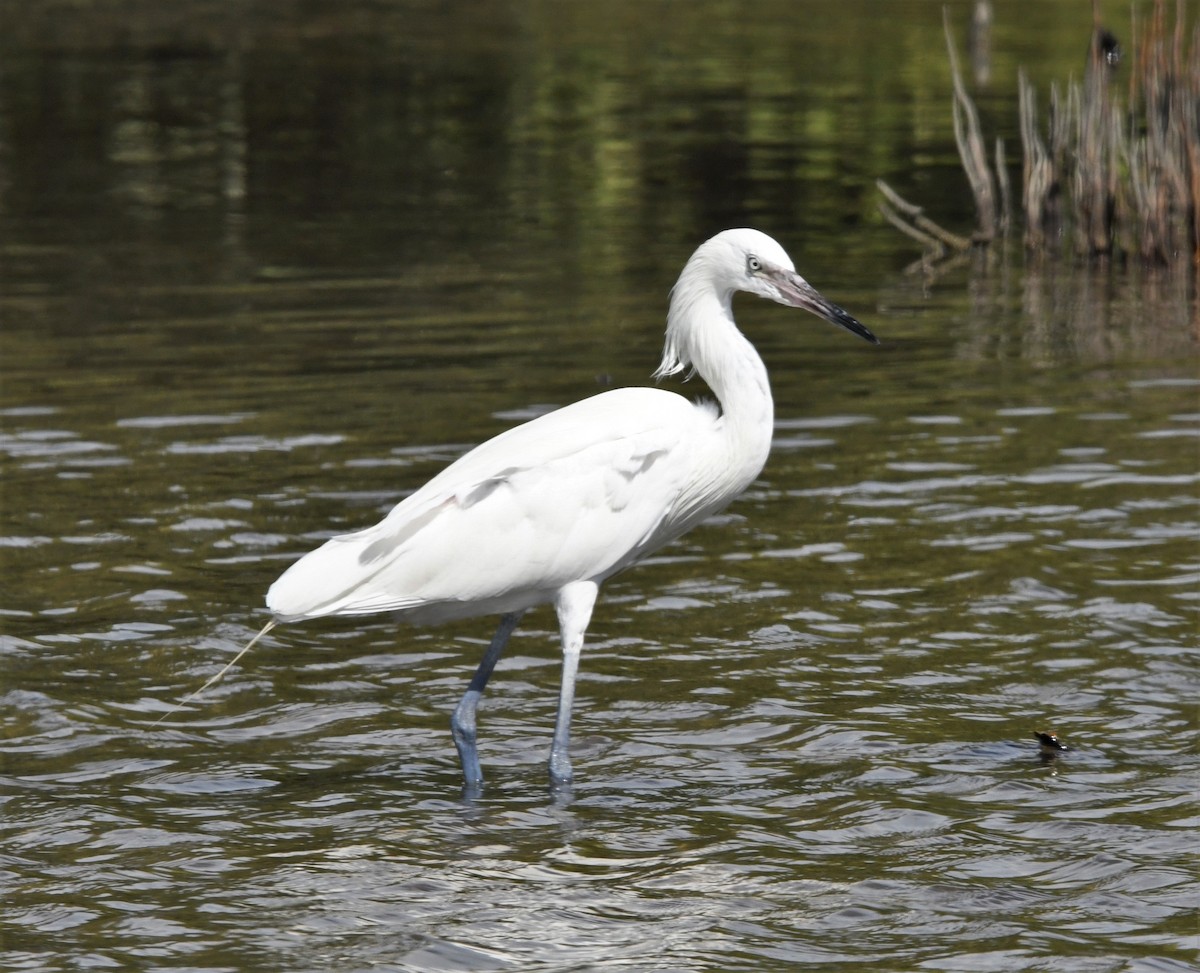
[[751, 261], [736, 260]]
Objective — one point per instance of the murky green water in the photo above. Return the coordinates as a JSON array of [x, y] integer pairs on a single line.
[[264, 273]]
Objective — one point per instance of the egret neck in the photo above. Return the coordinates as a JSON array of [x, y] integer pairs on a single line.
[[702, 334]]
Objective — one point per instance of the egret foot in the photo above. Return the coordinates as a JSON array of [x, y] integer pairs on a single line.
[[561, 775], [462, 727]]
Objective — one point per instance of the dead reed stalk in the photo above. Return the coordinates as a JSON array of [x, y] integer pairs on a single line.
[[1110, 177], [969, 139]]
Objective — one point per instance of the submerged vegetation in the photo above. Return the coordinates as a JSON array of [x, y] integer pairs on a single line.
[[1114, 172]]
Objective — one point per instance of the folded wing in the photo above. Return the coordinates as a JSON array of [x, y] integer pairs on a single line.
[[578, 493]]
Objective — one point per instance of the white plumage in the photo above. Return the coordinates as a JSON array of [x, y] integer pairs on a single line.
[[545, 512], [520, 516]]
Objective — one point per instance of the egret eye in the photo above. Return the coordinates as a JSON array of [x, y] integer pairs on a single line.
[[753, 264]]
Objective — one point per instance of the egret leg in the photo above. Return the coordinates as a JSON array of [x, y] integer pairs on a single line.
[[462, 722], [574, 607]]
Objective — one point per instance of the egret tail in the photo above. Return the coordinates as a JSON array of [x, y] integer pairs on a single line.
[[224, 669]]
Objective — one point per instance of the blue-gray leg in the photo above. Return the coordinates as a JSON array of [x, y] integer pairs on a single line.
[[574, 607], [462, 722]]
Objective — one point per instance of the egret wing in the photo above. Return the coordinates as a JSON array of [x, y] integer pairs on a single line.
[[577, 493]]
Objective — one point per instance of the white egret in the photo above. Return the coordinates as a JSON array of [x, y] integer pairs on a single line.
[[549, 510]]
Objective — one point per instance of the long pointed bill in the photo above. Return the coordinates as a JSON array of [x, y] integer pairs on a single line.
[[795, 291]]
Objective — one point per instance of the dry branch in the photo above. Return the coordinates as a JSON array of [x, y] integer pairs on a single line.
[[1106, 178]]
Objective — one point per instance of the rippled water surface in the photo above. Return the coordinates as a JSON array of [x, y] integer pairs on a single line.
[[235, 323]]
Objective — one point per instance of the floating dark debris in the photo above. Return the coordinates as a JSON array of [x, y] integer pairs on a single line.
[[1050, 743]]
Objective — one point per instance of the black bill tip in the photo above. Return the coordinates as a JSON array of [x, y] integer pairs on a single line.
[[839, 317]]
